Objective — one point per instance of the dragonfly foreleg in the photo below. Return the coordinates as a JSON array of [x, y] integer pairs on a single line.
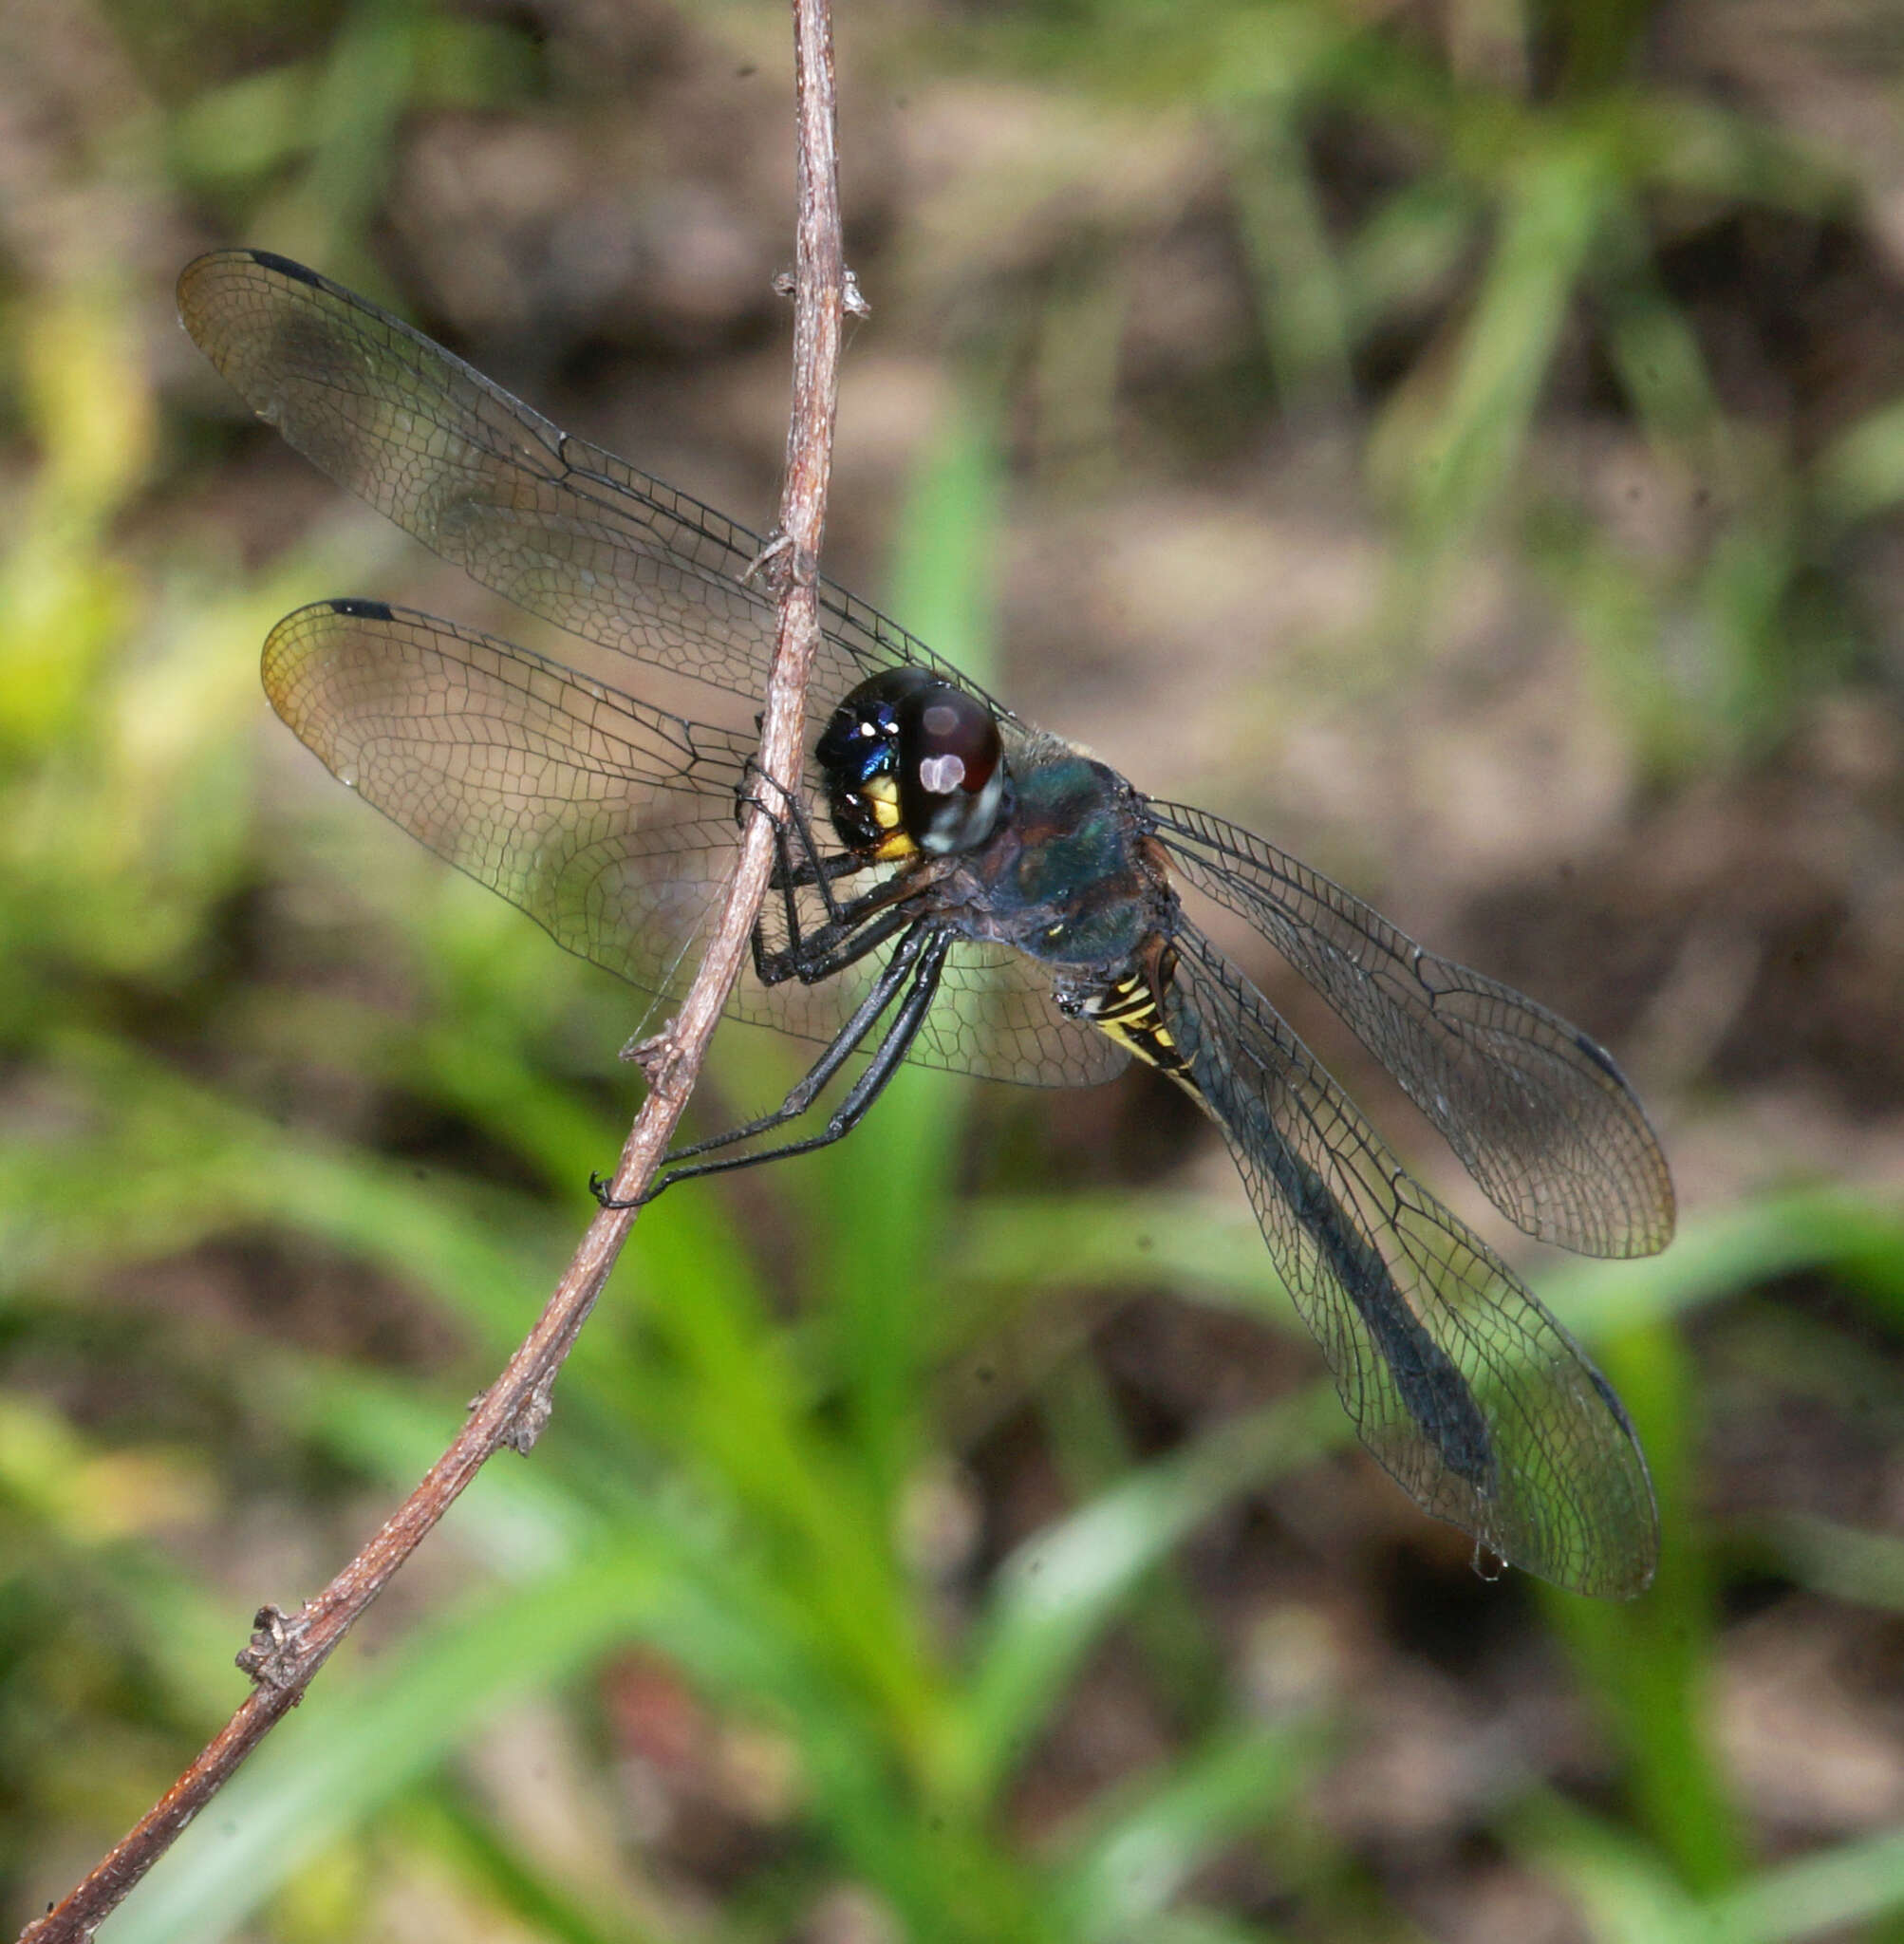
[[816, 955], [794, 833]]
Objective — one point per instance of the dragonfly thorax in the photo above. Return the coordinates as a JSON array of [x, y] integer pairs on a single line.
[[912, 764]]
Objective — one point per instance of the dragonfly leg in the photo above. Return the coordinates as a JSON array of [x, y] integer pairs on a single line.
[[800, 865], [916, 963], [818, 869], [816, 955], [811, 868]]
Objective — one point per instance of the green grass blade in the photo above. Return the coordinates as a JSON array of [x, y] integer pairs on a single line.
[[1621, 1887], [885, 1194], [1143, 1851], [1828, 1892], [328, 1768], [1058, 1593], [1648, 1660]]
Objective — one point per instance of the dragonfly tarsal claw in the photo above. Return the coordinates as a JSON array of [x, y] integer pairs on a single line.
[[603, 1187]]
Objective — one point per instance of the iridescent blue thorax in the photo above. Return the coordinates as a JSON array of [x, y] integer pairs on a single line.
[[1068, 875]]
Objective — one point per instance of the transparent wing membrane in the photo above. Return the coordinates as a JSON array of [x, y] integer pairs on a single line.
[[1465, 1387], [1538, 1113], [610, 823], [561, 527]]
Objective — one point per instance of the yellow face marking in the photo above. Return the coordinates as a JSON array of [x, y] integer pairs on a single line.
[[882, 795]]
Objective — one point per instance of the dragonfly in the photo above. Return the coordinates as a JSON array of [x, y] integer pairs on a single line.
[[956, 886]]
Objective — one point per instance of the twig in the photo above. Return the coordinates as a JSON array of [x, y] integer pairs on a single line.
[[287, 1649]]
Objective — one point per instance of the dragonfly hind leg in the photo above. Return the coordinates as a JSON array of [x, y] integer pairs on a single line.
[[914, 969]]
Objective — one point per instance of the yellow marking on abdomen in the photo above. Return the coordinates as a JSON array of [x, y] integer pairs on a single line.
[[1128, 1013]]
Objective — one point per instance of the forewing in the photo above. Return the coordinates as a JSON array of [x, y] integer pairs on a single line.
[[1458, 1379], [1538, 1112], [567, 531], [610, 823]]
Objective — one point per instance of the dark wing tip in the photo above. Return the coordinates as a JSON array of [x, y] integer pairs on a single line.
[[1601, 1058], [216, 264], [268, 259], [1655, 1214], [355, 608]]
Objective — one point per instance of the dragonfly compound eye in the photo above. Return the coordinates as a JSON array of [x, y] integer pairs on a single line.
[[912, 764], [952, 771]]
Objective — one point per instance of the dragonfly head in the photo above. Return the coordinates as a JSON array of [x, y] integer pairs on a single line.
[[912, 764]]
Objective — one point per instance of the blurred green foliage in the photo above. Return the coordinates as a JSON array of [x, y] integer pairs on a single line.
[[749, 1443], [1522, 207]]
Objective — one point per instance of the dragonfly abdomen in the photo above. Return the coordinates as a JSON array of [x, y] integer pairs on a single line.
[[1126, 1010], [1426, 1381], [1429, 1384]]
